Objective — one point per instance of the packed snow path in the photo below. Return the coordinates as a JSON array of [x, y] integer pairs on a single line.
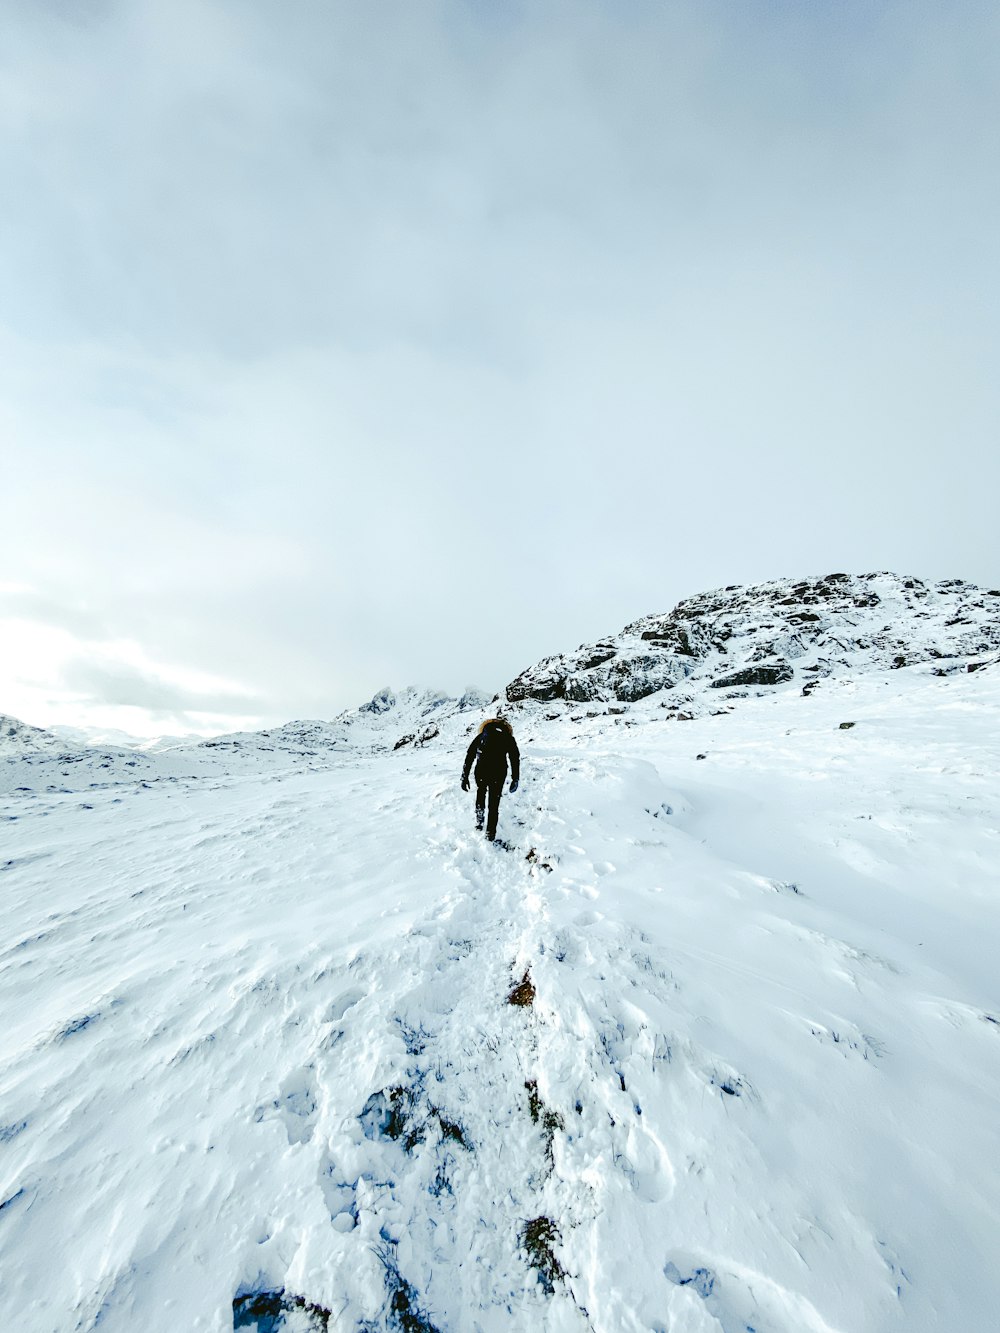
[[713, 1046]]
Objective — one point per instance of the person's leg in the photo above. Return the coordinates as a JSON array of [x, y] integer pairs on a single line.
[[495, 788], [480, 803]]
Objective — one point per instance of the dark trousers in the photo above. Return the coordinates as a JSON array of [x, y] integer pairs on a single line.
[[488, 787]]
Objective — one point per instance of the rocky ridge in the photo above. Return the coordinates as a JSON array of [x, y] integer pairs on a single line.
[[738, 641], [387, 721], [708, 653]]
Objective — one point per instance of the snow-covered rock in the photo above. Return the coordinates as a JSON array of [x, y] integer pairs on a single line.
[[18, 739], [781, 633]]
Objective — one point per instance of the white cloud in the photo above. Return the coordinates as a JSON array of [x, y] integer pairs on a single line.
[[342, 347], [48, 675]]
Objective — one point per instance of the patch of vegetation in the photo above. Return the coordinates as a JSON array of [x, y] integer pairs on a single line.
[[523, 994], [398, 1125], [451, 1130], [404, 1313], [543, 1115], [539, 1237], [403, 1115], [265, 1311], [732, 1086], [415, 1039], [535, 1102], [76, 1025]]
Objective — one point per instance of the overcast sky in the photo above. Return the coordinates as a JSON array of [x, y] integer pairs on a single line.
[[353, 343]]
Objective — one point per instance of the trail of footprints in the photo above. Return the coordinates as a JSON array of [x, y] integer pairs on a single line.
[[458, 1168], [494, 1187]]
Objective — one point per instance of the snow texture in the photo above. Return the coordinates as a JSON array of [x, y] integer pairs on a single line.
[[712, 1042]]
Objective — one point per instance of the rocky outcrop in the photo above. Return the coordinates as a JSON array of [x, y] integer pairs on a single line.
[[776, 674], [380, 702], [758, 638], [20, 738]]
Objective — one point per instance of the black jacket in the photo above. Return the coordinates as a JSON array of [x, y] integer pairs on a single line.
[[490, 751]]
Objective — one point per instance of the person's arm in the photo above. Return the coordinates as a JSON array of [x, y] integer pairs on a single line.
[[515, 762], [469, 756]]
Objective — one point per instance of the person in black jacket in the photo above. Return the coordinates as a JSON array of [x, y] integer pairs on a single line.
[[490, 750]]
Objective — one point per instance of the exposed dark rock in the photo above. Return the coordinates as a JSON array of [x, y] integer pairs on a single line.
[[775, 674], [673, 638], [380, 703], [595, 657], [538, 683]]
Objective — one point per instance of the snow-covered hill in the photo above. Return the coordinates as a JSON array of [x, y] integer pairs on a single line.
[[34, 760], [714, 1044], [739, 641]]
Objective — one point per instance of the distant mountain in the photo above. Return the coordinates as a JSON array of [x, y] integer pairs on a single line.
[[20, 738], [33, 759], [704, 656], [739, 641], [94, 737], [387, 721]]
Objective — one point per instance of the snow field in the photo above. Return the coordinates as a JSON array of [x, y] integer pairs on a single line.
[[259, 1035]]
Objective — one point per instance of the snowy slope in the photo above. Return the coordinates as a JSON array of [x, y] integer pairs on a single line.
[[737, 641], [261, 1067]]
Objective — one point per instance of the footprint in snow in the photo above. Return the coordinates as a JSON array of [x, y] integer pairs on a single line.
[[295, 1106], [746, 1302], [339, 1196], [339, 1007], [644, 1162]]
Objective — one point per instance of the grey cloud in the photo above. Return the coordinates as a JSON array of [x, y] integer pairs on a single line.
[[79, 619], [254, 179], [127, 686]]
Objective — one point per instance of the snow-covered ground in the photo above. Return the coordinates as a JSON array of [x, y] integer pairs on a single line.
[[259, 1064]]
